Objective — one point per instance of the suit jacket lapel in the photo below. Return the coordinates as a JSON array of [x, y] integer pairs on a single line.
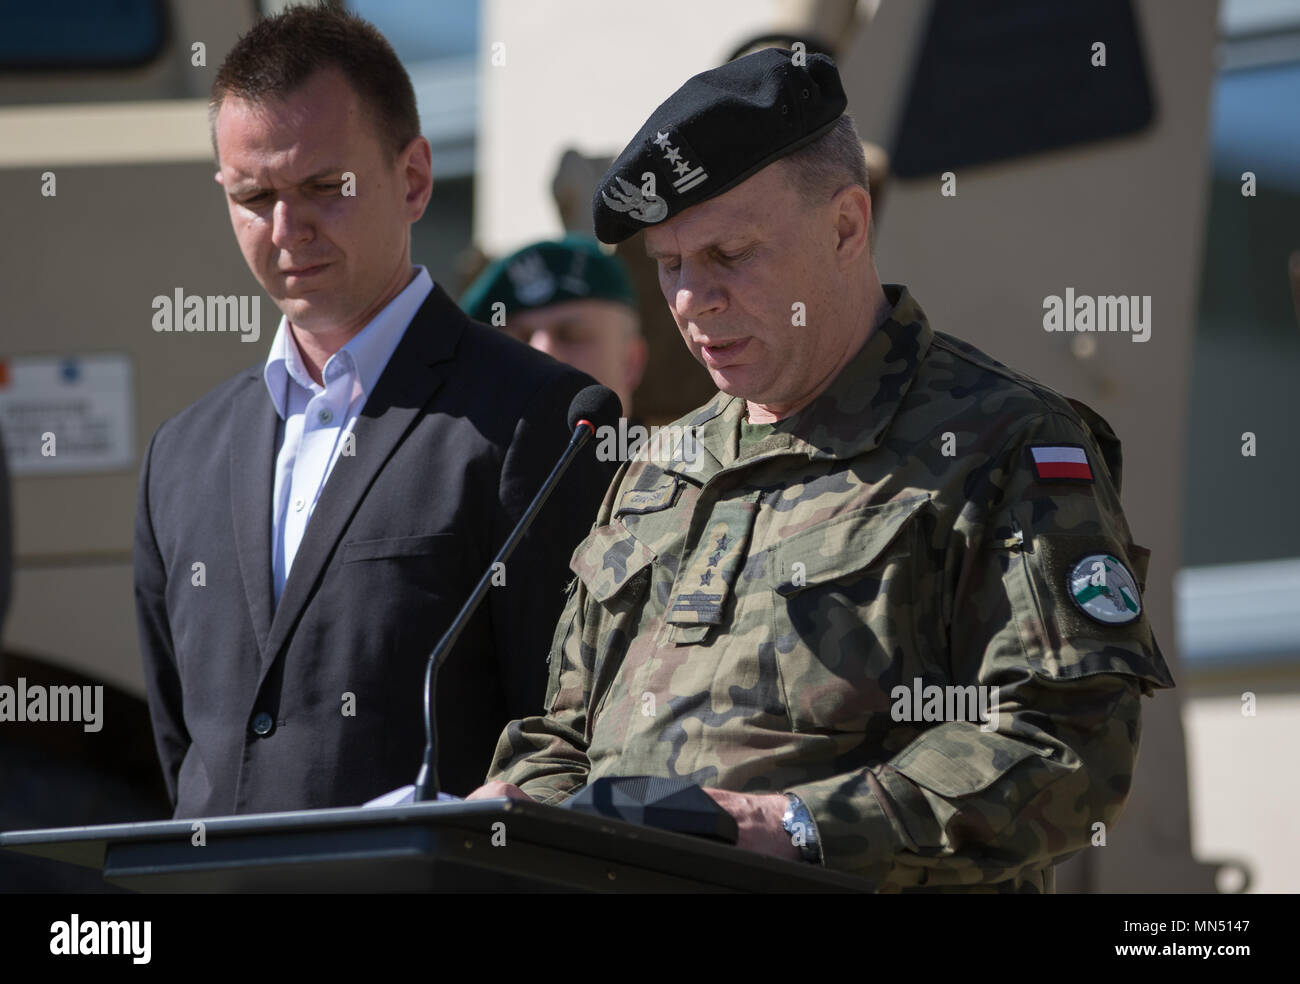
[[252, 477], [413, 375]]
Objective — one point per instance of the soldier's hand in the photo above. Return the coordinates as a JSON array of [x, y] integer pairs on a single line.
[[494, 789], [759, 819]]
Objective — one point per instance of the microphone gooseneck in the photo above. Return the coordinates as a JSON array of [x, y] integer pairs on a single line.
[[595, 403]]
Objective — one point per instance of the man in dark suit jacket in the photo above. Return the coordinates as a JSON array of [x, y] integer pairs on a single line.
[[308, 530]]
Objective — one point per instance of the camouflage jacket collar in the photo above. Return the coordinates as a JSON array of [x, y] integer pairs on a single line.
[[849, 419]]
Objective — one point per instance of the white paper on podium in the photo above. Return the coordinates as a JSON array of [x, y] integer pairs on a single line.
[[406, 794]]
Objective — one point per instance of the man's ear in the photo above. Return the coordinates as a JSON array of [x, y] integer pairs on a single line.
[[852, 207], [417, 171]]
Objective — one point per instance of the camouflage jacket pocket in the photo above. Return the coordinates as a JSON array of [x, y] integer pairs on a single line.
[[964, 762], [615, 568], [1078, 606], [609, 559], [559, 639], [1141, 558], [845, 609], [954, 766], [841, 546]]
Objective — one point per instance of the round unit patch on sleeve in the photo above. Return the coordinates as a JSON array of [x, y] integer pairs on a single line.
[[1104, 590]]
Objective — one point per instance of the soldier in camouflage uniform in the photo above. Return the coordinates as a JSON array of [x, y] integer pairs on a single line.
[[782, 604]]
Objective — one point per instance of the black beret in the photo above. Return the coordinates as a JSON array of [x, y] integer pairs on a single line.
[[721, 127]]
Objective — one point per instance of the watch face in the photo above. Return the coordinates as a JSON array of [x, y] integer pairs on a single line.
[[791, 802], [798, 823]]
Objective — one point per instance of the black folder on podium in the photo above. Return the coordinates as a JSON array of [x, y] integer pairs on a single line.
[[492, 845]]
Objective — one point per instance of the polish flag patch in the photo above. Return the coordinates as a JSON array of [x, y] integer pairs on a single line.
[[1060, 461]]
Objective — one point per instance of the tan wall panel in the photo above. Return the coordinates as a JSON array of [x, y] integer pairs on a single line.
[[80, 617], [81, 280]]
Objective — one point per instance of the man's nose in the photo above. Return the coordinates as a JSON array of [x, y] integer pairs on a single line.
[[291, 224], [696, 294]]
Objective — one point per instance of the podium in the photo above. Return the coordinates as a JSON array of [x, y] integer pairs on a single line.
[[491, 845]]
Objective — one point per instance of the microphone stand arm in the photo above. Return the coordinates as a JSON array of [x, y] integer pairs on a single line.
[[426, 783]]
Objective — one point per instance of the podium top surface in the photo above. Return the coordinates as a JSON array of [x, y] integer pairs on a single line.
[[595, 837]]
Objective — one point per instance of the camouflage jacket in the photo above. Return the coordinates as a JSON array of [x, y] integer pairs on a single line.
[[771, 622]]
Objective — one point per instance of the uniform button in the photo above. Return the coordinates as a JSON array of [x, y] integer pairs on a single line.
[[325, 416], [262, 723], [298, 504]]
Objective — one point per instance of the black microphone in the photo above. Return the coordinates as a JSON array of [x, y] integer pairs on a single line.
[[593, 407]]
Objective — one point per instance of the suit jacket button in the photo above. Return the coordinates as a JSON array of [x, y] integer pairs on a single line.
[[262, 723]]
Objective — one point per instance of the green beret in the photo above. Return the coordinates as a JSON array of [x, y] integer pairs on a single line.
[[541, 274]]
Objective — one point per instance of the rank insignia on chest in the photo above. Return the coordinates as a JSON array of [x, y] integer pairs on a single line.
[[1060, 462], [705, 579]]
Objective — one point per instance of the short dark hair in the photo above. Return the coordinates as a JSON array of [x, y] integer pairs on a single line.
[[829, 163], [280, 53]]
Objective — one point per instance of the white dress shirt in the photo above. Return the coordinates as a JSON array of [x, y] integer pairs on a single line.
[[316, 421]]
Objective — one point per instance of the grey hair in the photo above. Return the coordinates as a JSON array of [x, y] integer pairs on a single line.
[[829, 163]]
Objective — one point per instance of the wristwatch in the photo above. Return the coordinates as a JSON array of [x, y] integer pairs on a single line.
[[798, 823]]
